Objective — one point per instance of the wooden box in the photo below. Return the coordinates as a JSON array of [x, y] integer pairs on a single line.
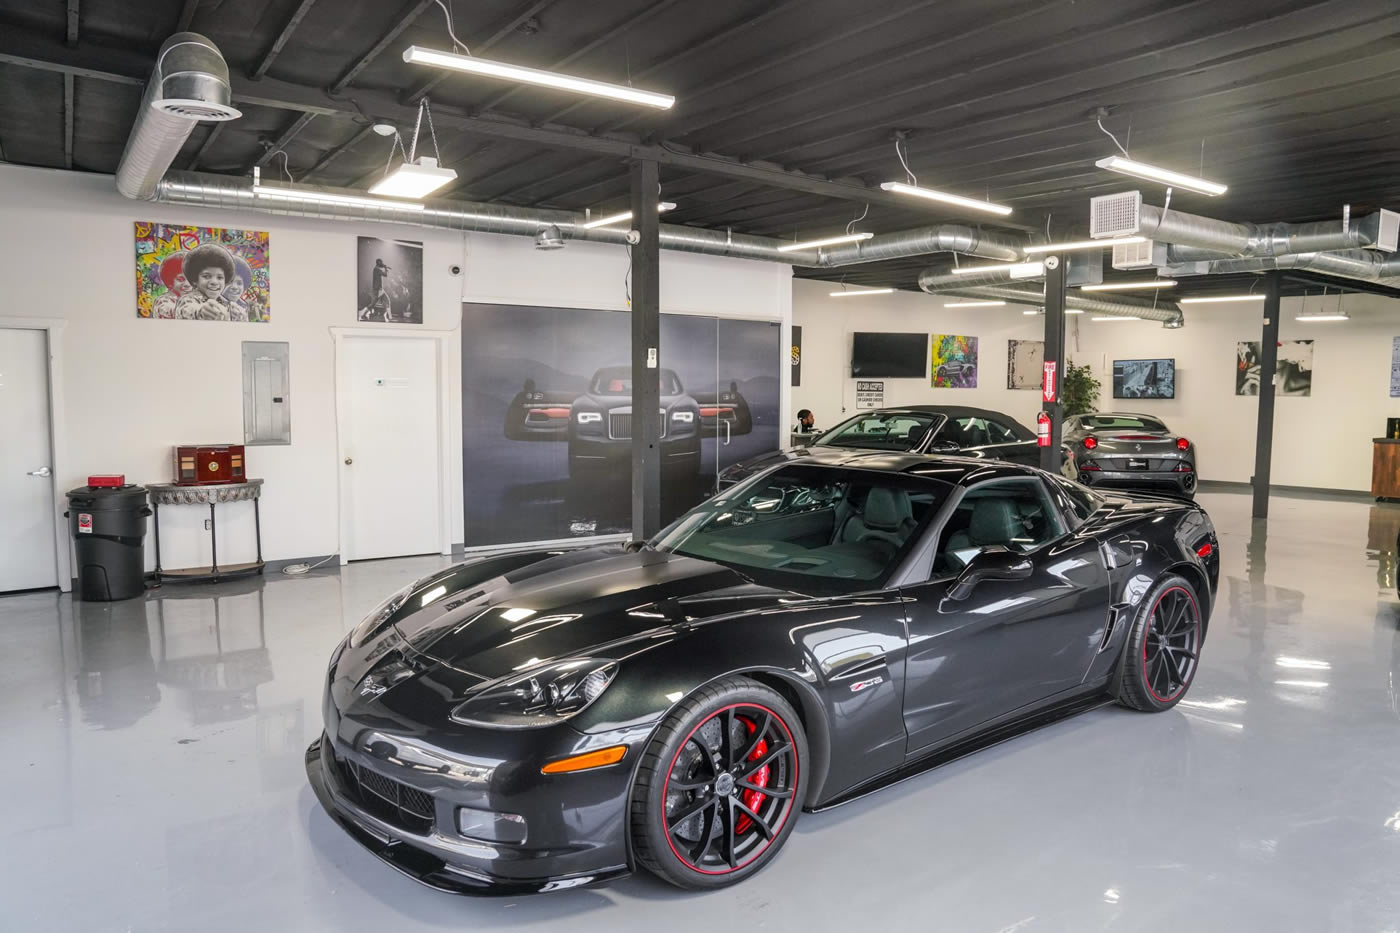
[[209, 464], [1385, 468]]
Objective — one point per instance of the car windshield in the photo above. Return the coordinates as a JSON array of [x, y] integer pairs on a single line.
[[881, 430], [808, 527], [617, 380], [1116, 422]]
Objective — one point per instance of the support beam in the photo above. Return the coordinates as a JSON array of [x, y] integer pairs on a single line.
[[186, 15], [68, 121], [335, 153], [1268, 369], [215, 130], [72, 33], [525, 13], [281, 142], [297, 16], [406, 18], [1054, 354], [646, 342]]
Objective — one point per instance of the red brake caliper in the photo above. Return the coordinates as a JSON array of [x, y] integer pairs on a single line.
[[753, 799]]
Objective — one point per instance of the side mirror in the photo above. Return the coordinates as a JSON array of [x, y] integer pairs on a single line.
[[944, 447], [529, 386], [994, 563]]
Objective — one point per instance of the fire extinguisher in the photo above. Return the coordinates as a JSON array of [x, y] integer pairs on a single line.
[[1042, 429]]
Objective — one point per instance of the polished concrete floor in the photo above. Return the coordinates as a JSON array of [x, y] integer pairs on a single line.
[[152, 779]]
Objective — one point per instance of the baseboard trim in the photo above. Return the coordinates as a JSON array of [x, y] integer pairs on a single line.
[[1313, 492]]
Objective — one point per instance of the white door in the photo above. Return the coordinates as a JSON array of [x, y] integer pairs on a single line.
[[27, 554], [390, 461]]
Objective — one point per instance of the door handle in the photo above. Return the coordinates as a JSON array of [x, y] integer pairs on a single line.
[[726, 432], [42, 471], [348, 461]]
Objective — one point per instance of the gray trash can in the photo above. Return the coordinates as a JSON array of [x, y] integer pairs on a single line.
[[108, 524]]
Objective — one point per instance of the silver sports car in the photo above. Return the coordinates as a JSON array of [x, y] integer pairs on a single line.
[[1128, 451]]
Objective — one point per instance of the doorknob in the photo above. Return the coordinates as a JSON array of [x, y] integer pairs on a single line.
[[348, 461], [42, 471]]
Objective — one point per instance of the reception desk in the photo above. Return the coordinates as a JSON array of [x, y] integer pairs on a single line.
[[1385, 468]]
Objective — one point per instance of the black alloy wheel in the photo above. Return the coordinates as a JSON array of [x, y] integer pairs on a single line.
[[1164, 647], [717, 791]]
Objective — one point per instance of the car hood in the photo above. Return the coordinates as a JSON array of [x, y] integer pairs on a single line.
[[572, 605]]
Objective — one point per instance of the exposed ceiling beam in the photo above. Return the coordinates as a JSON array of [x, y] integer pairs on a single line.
[[68, 121], [524, 15], [652, 10], [72, 32], [186, 15], [406, 18], [271, 55], [215, 129], [337, 152], [29, 49], [674, 58], [280, 144]]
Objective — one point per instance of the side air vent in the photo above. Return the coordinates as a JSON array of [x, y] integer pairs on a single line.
[[1388, 240], [1115, 214], [1133, 255]]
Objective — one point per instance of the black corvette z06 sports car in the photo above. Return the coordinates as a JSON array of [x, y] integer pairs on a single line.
[[538, 721]]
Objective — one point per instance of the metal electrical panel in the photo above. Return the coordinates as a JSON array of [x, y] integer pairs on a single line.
[[267, 399]]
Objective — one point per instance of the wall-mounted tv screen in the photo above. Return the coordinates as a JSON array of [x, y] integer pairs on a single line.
[[1144, 378], [894, 356]]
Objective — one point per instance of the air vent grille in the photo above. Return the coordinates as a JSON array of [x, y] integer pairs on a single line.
[[1115, 214], [1388, 240], [196, 110], [1133, 255]]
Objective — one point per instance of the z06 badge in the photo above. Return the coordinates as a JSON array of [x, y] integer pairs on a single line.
[[860, 685]]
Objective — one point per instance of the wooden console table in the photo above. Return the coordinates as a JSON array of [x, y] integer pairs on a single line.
[[171, 494], [1385, 468]]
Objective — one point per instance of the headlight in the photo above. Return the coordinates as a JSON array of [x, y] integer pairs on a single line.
[[540, 697], [367, 629], [590, 417], [684, 417]]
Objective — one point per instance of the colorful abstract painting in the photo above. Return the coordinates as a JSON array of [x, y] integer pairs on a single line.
[[202, 273], [953, 364]]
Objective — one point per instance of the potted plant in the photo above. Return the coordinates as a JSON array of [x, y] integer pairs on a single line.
[[1079, 390]]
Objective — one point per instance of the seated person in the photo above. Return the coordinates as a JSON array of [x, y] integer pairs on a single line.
[[806, 422]]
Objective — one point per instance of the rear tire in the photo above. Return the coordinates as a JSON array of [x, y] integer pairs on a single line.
[[1163, 647], [720, 786]]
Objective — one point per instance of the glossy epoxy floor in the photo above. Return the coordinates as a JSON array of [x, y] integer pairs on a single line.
[[151, 777]]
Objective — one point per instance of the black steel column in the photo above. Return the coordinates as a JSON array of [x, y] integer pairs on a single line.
[[1268, 367], [646, 341], [1054, 354]]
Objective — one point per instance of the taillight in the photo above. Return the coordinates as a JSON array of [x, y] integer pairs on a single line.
[[1205, 550], [1182, 443], [1089, 468], [1183, 468], [1091, 442]]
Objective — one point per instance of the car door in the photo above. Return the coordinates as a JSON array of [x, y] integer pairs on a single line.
[[1008, 643], [1004, 443]]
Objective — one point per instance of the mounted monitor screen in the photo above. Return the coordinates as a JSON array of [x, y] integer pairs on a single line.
[[894, 356], [1144, 378]]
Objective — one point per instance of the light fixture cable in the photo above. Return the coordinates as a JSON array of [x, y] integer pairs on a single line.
[[1109, 134], [457, 43]]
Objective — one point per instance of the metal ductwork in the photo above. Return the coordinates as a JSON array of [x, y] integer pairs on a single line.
[[1165, 312], [225, 192], [189, 85], [1203, 239], [1359, 264]]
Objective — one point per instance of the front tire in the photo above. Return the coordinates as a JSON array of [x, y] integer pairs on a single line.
[[1163, 647], [720, 787]]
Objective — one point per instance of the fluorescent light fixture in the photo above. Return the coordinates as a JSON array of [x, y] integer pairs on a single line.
[[1116, 317], [900, 187], [1127, 166], [1216, 299], [414, 179], [861, 291], [619, 217], [1031, 311], [1302, 664], [1084, 244], [1329, 316], [310, 196], [1074, 310], [974, 304], [1021, 270], [1129, 286], [829, 241], [418, 55]]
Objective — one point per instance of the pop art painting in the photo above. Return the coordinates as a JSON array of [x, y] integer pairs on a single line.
[[202, 273], [954, 362]]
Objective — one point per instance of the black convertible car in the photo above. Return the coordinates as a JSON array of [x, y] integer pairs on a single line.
[[538, 721], [938, 429]]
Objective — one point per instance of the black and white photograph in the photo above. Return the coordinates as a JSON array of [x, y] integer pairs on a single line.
[[1294, 371], [1144, 378], [390, 281]]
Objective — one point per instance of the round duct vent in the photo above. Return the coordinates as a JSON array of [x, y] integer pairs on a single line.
[[549, 238], [197, 110]]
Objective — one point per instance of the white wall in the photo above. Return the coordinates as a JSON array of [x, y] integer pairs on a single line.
[[1322, 441], [827, 324], [136, 387]]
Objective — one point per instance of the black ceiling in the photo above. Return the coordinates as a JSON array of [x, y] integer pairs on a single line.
[[1290, 102]]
